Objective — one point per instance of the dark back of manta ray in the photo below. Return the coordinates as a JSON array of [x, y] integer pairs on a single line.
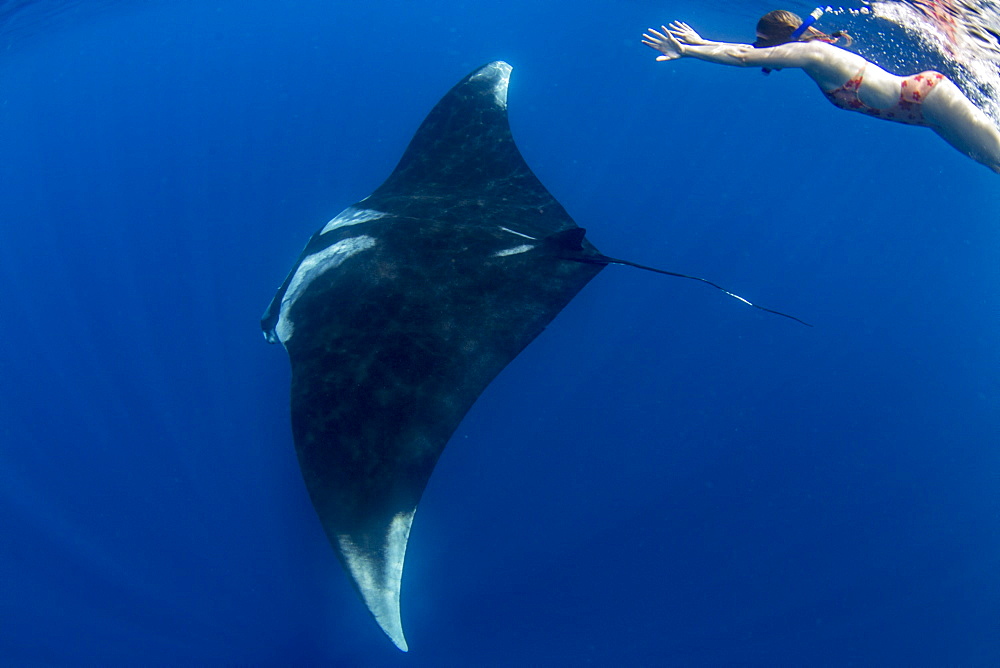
[[393, 347]]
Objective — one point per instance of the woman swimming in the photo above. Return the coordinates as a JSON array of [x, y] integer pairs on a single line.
[[849, 81]]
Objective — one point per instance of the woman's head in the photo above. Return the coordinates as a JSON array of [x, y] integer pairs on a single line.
[[776, 28]]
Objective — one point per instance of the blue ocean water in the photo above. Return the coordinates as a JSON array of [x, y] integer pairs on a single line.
[[664, 477]]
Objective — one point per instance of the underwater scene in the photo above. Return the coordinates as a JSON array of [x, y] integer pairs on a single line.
[[641, 469]]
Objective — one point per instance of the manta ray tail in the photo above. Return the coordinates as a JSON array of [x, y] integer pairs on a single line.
[[572, 240], [611, 260]]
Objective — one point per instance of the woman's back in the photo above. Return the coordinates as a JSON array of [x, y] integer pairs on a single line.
[[830, 67]]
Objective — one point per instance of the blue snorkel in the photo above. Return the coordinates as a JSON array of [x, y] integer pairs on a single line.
[[809, 20]]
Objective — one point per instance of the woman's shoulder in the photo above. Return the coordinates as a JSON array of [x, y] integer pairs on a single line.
[[833, 51], [823, 55], [797, 54]]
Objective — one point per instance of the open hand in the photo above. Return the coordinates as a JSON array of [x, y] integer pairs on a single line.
[[685, 34], [663, 42]]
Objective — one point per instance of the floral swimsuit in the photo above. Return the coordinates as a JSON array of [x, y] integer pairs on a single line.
[[911, 94]]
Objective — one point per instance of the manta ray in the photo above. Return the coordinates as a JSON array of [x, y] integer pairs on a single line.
[[403, 308]]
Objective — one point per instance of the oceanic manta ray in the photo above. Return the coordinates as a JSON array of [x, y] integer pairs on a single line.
[[403, 308]]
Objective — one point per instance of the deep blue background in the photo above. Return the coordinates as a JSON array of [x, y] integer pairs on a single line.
[[665, 476]]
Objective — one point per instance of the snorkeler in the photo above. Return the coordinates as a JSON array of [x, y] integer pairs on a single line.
[[849, 81]]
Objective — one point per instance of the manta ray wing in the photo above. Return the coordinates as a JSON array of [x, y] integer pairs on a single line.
[[403, 308]]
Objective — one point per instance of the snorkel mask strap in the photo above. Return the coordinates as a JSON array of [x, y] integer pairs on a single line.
[[807, 23]]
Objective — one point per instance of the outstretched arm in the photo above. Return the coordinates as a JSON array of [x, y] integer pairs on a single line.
[[680, 40]]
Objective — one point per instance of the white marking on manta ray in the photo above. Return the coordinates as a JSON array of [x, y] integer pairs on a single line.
[[352, 216], [380, 587], [502, 81], [513, 251], [311, 268], [507, 229]]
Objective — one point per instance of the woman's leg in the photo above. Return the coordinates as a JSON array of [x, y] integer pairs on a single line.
[[962, 124]]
